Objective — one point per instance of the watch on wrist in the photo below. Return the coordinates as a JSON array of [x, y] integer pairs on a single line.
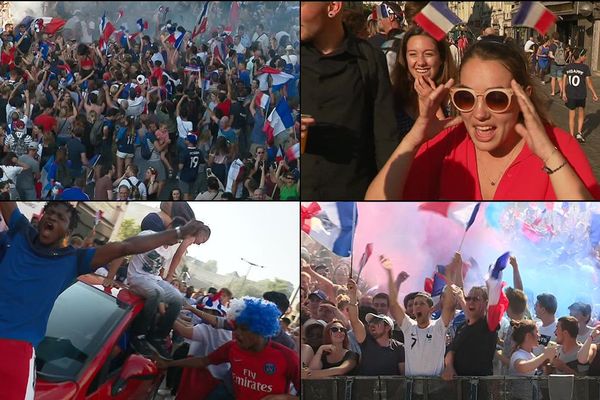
[[551, 171], [178, 230]]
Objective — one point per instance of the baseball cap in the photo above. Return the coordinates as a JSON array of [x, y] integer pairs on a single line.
[[193, 139], [312, 321], [319, 293], [369, 317], [289, 47]]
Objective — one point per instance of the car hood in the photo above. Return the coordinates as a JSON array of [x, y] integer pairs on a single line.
[[55, 390]]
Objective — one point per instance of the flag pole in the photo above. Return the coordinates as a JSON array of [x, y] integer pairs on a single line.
[[462, 241], [352, 241]]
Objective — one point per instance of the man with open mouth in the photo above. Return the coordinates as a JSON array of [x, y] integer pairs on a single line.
[[37, 266]]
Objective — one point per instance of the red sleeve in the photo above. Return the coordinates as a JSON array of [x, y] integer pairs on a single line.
[[423, 181], [293, 369], [220, 355], [572, 150]]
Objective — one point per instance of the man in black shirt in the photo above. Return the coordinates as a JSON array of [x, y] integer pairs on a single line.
[[472, 350], [380, 354], [346, 90]]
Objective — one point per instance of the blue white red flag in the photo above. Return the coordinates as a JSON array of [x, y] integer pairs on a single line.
[[280, 119], [437, 19], [331, 224], [533, 14], [463, 213], [200, 27], [497, 300], [142, 25], [176, 39], [293, 153]]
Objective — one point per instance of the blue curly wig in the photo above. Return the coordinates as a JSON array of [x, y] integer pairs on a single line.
[[258, 315]]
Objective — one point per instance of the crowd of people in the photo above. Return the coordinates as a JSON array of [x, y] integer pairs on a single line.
[[350, 330], [155, 114], [403, 120], [192, 332]]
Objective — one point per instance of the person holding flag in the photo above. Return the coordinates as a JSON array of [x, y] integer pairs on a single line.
[[473, 348]]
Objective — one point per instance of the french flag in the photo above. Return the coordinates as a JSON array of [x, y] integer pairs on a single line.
[[102, 24], [382, 11], [331, 224], [70, 78], [142, 25], [497, 300], [261, 100], [293, 153], [279, 120], [365, 256], [176, 39], [462, 213], [437, 19], [107, 32], [278, 77], [49, 25], [279, 156], [534, 15], [200, 27]]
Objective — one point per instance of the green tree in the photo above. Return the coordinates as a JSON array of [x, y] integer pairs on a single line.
[[129, 227], [279, 285]]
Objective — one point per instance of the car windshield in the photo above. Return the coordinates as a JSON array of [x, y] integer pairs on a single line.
[[81, 320]]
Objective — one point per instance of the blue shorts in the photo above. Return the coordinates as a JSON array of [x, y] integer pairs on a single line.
[[556, 71]]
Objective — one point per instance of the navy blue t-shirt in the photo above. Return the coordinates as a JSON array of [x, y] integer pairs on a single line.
[[576, 80], [33, 276], [191, 160]]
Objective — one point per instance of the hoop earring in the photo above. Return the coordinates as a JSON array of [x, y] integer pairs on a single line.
[[331, 15]]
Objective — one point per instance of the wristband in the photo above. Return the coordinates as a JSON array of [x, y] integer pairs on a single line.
[[178, 230]]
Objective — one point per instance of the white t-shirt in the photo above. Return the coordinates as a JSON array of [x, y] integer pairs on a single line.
[[529, 46], [546, 335], [10, 172], [520, 354], [291, 59], [135, 107], [184, 127], [141, 187], [147, 265], [234, 171], [205, 340], [424, 349]]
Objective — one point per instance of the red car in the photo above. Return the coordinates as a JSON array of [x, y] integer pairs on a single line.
[[86, 353]]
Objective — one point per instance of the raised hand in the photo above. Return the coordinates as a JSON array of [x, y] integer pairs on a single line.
[[385, 262], [513, 262], [402, 277], [532, 129], [431, 97]]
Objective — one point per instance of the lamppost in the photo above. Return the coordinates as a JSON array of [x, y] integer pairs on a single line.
[[250, 265]]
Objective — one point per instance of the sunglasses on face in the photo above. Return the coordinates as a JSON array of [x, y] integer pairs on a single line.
[[335, 329], [496, 100]]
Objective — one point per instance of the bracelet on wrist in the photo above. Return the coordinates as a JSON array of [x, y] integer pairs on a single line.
[[178, 231]]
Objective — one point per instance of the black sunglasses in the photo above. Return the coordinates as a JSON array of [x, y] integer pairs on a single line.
[[335, 329]]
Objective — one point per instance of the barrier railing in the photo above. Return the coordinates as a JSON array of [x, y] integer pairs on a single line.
[[551, 387]]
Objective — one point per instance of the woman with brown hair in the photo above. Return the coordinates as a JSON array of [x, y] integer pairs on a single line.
[[333, 357], [419, 55], [501, 146]]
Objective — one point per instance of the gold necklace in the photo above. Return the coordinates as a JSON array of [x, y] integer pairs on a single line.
[[510, 159]]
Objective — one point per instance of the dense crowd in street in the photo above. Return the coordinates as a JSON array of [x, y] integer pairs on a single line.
[[100, 111]]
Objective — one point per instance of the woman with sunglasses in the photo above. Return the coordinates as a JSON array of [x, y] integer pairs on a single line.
[[501, 146], [333, 357]]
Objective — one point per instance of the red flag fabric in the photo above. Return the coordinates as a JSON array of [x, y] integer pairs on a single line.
[[234, 14]]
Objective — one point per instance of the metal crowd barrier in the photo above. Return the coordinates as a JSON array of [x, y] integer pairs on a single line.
[[554, 387]]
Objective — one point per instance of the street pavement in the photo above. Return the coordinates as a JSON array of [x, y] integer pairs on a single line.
[[591, 125]]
